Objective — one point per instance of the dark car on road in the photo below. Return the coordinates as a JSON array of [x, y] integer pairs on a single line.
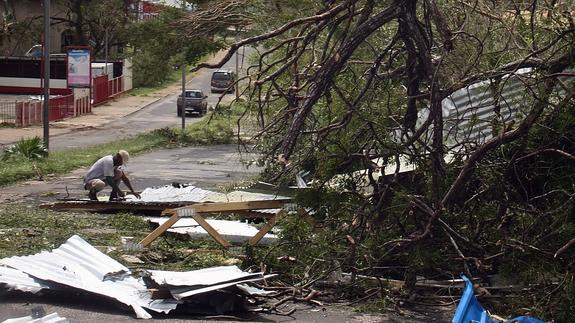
[[196, 103], [223, 81]]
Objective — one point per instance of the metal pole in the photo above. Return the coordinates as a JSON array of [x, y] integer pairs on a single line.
[[46, 53], [183, 82], [106, 52]]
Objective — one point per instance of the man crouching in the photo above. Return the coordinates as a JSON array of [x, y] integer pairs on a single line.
[[108, 170]]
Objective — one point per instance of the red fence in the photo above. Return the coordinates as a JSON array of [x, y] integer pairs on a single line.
[[100, 89], [104, 89], [29, 113], [116, 86]]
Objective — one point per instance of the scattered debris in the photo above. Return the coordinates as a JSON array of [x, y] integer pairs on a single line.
[[78, 265], [132, 259]]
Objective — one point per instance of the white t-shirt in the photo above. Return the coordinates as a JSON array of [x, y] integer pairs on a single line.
[[101, 168]]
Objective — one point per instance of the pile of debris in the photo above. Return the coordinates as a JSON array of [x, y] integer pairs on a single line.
[[78, 266]]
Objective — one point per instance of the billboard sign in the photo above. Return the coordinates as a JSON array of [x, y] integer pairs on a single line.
[[79, 67]]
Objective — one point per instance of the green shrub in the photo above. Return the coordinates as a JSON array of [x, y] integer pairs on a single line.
[[31, 149]]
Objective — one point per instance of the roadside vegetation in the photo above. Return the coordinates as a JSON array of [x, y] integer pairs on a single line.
[[158, 50], [27, 231]]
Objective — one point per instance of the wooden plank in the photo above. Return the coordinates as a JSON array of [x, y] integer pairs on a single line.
[[114, 205], [267, 227], [160, 230], [210, 230], [254, 215], [168, 212], [239, 206]]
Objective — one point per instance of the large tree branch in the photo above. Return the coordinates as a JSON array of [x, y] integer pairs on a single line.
[[327, 71]]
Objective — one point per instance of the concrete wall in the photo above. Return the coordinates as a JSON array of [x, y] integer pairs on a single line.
[[28, 9], [127, 73]]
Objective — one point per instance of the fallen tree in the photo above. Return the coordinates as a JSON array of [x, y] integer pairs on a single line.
[[439, 135]]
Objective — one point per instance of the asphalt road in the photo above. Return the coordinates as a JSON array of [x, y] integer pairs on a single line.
[[159, 114]]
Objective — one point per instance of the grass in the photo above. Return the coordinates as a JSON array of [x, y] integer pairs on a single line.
[[25, 231]]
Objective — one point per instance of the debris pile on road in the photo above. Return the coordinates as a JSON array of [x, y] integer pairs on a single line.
[[77, 265]]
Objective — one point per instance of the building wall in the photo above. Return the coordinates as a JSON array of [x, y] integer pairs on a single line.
[[27, 9]]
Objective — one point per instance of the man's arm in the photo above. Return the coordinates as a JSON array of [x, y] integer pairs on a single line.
[[129, 185]]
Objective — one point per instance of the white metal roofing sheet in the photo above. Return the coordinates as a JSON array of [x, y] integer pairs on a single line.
[[470, 112], [78, 264], [201, 277], [169, 193], [50, 318], [17, 280], [183, 292]]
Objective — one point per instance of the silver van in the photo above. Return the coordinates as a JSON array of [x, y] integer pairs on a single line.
[[223, 81]]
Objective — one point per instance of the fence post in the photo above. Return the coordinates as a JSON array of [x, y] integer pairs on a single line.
[[38, 110], [18, 112]]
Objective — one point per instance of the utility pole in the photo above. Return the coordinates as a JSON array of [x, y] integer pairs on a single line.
[[46, 54], [106, 52], [237, 63], [183, 79]]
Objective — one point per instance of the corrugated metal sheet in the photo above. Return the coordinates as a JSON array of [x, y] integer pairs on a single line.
[[254, 291], [201, 277], [470, 117], [77, 264], [17, 280], [233, 231], [470, 113], [181, 293], [50, 318], [169, 193], [186, 284], [193, 194]]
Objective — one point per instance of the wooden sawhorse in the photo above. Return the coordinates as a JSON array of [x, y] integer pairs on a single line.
[[197, 212]]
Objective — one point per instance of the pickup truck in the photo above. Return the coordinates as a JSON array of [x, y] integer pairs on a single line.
[[196, 103]]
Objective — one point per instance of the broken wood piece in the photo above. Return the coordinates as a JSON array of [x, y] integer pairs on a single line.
[[210, 230], [133, 206], [159, 230], [267, 227]]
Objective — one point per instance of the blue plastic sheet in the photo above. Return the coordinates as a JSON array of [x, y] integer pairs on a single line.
[[469, 310]]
